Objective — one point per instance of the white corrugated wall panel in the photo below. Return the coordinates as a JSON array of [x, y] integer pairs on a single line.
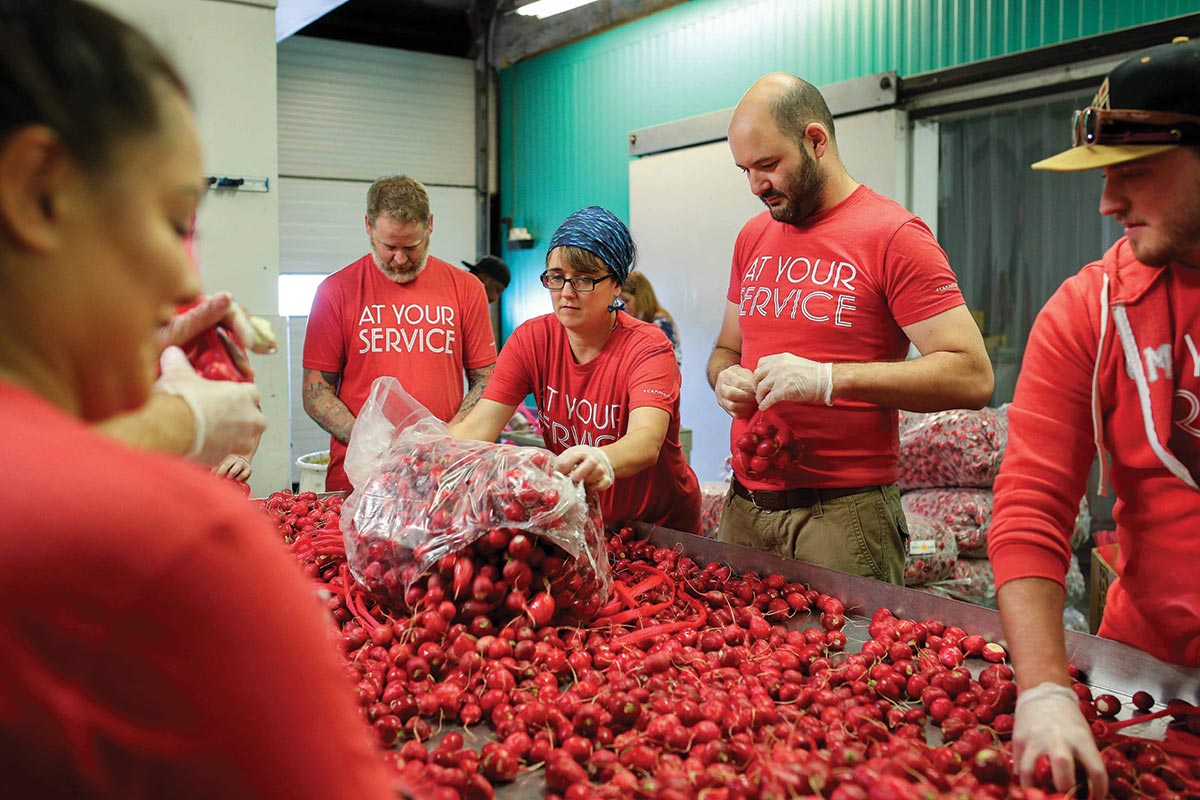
[[355, 112]]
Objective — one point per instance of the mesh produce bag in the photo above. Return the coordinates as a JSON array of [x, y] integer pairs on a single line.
[[421, 495], [951, 448], [972, 581], [932, 551], [967, 512]]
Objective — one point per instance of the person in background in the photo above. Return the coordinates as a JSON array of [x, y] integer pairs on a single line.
[[606, 384], [829, 286], [396, 311], [128, 666], [1111, 369], [641, 302], [492, 273]]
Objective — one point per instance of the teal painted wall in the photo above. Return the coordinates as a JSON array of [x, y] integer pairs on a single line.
[[565, 116]]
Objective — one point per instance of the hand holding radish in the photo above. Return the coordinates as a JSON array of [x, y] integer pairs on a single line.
[[1049, 722], [784, 376], [735, 391], [586, 464], [226, 415]]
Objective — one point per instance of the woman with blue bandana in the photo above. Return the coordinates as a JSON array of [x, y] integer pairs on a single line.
[[606, 384]]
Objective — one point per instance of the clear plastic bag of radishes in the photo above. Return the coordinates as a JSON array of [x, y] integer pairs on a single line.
[[951, 448], [422, 497], [1082, 530], [932, 550], [712, 500], [967, 512], [972, 581]]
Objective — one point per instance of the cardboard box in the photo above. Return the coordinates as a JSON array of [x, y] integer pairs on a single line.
[[1103, 573]]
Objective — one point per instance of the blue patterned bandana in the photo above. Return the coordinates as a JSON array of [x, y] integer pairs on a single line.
[[598, 231]]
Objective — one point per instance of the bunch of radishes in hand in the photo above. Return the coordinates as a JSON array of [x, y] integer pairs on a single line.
[[767, 445], [493, 529]]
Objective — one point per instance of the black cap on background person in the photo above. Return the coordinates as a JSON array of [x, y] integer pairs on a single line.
[[493, 273], [1148, 104]]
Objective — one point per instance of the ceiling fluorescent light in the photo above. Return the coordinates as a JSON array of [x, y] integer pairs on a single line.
[[548, 8]]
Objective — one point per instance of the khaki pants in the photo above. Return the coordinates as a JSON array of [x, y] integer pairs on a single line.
[[862, 534]]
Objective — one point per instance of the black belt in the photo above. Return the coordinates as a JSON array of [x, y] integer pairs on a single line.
[[794, 498]]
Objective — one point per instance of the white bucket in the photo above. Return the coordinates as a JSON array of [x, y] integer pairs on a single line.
[[312, 471]]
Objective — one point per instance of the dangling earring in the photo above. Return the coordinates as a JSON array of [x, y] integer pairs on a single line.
[[617, 304]]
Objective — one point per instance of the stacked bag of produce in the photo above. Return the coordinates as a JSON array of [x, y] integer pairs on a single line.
[[948, 463], [712, 500]]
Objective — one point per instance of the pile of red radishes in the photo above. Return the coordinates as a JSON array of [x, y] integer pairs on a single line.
[[767, 445], [691, 681]]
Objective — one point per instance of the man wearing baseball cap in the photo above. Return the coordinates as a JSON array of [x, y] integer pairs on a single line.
[[492, 273], [1112, 369]]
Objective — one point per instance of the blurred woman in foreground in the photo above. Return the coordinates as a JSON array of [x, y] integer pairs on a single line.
[[158, 642]]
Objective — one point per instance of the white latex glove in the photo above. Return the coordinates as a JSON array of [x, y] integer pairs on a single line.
[[587, 464], [1048, 722], [226, 416], [235, 467], [784, 376], [187, 325], [735, 391]]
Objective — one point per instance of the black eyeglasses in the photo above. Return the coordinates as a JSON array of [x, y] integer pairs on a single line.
[[578, 283], [1129, 126]]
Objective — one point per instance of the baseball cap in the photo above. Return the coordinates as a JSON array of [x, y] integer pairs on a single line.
[[493, 267], [1148, 104]]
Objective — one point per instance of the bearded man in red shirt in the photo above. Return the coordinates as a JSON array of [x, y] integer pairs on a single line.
[[829, 287]]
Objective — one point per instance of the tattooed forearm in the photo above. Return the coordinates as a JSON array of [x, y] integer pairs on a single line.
[[322, 404], [476, 380]]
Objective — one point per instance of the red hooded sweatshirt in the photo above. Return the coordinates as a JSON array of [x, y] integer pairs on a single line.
[[1112, 367]]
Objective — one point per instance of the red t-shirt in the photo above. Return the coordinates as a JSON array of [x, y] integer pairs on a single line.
[[838, 288], [590, 404], [158, 641], [425, 333]]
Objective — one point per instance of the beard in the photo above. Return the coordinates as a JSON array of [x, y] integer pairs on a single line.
[[1176, 239], [801, 194], [402, 276]]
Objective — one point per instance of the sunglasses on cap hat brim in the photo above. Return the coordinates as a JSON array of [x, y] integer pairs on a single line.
[[1102, 137]]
